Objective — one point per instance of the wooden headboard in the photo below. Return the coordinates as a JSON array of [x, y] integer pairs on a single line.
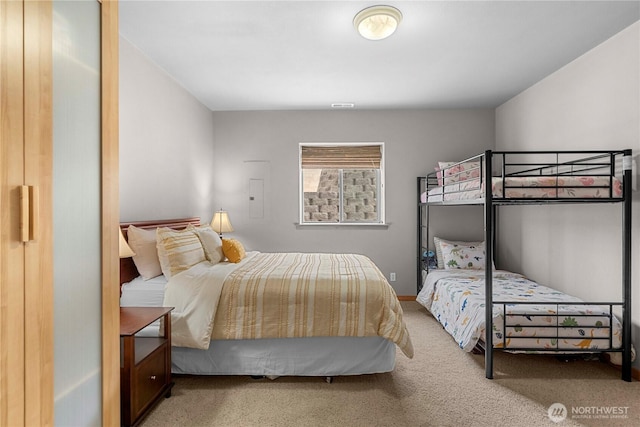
[[128, 270]]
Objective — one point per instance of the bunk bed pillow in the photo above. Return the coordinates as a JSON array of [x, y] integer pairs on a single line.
[[458, 256], [143, 245], [438, 242], [462, 172]]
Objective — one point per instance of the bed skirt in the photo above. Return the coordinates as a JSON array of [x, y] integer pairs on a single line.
[[317, 356]]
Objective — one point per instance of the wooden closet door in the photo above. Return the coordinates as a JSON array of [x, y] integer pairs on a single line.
[[26, 220], [38, 147], [12, 390], [26, 343]]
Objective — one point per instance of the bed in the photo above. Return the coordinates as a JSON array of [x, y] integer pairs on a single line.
[[524, 316], [270, 314]]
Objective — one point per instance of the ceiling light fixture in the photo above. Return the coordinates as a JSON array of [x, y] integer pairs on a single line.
[[377, 22]]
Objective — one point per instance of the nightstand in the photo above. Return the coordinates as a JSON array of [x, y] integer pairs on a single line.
[[145, 362]]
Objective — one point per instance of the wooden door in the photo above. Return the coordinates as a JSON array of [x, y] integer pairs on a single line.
[[26, 240], [26, 342], [12, 390]]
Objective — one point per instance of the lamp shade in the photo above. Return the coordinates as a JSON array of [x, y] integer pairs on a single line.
[[221, 223], [377, 22], [123, 247]]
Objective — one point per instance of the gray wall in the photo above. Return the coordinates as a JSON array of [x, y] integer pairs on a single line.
[[166, 148], [179, 159], [264, 145], [592, 103]]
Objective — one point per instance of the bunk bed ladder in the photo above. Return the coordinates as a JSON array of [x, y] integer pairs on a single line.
[[488, 270], [419, 248]]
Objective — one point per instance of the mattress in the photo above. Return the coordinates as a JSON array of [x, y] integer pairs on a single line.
[[545, 187], [544, 318], [144, 293]]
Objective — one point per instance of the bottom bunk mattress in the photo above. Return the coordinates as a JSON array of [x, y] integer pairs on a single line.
[[538, 319], [356, 347]]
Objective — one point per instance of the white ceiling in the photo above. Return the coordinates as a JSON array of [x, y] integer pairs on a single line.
[[291, 55]]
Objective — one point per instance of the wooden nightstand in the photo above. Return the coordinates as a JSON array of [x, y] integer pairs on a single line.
[[145, 362]]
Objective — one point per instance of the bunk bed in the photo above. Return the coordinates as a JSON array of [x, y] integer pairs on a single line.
[[503, 178]]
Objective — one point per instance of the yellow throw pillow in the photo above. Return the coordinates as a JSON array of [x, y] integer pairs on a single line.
[[178, 250], [233, 250]]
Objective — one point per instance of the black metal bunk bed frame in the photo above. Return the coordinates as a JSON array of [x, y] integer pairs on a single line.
[[596, 160]]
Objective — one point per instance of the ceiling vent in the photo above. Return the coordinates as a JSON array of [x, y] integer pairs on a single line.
[[343, 105]]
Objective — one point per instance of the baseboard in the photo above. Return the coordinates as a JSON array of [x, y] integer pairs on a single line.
[[406, 297], [635, 372]]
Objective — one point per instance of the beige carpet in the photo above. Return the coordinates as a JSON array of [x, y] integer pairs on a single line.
[[441, 386]]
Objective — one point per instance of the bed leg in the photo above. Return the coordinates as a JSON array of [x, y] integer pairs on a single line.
[[328, 380]]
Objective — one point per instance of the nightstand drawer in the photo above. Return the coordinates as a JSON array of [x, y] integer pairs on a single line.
[[149, 379]]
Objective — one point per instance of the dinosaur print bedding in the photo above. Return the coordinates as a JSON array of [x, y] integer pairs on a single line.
[[539, 319]]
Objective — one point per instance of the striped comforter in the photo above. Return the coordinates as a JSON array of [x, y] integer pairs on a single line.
[[285, 295]]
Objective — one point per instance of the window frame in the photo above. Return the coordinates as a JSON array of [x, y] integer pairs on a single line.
[[342, 223]]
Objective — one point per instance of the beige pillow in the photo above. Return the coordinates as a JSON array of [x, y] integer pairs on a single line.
[[178, 250], [210, 241], [143, 244]]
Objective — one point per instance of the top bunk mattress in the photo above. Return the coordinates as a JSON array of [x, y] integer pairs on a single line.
[[544, 187], [529, 177]]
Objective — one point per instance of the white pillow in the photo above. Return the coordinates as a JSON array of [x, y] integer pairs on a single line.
[[178, 250], [210, 241], [143, 244]]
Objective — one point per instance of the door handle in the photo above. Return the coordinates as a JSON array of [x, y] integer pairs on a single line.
[[24, 213], [29, 212]]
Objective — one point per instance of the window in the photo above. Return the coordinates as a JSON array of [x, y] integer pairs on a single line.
[[341, 183]]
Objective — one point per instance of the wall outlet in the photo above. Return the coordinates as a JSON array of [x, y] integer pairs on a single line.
[[392, 277]]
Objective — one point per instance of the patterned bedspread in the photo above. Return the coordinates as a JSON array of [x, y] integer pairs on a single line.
[[530, 187], [284, 295], [456, 299]]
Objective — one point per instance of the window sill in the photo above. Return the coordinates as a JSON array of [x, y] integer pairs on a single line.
[[342, 225]]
